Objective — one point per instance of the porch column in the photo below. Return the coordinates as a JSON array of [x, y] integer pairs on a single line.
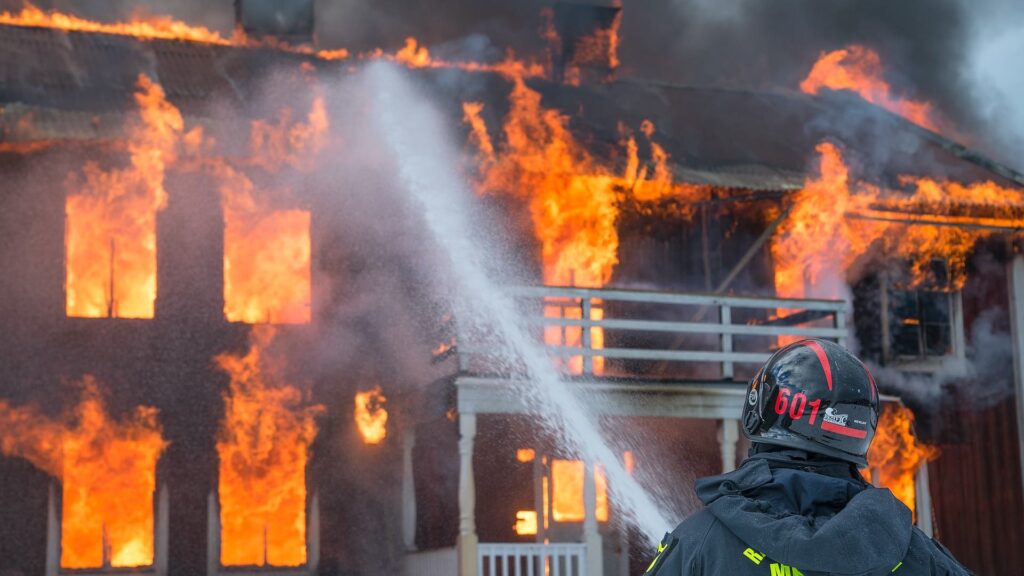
[[728, 436], [408, 489], [52, 533], [923, 500], [591, 537], [212, 535], [1016, 274], [163, 510], [467, 541]]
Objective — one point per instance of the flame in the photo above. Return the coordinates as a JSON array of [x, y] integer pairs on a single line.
[[834, 222], [525, 455], [154, 27], [267, 250], [111, 217], [567, 486], [599, 48], [526, 523], [896, 454], [572, 199], [108, 471], [859, 69], [263, 447], [370, 415]]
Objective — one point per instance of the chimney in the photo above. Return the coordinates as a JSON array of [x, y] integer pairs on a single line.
[[588, 40], [288, 20]]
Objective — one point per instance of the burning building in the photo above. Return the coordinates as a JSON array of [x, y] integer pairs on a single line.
[[178, 254]]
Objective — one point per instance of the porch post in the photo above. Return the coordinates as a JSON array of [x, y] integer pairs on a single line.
[[52, 533], [212, 535], [728, 436], [591, 537], [408, 489], [923, 500], [467, 541], [162, 531], [1017, 338]]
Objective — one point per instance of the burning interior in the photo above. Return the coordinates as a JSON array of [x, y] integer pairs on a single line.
[[219, 358]]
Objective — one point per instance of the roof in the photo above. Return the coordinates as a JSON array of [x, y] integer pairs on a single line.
[[76, 84]]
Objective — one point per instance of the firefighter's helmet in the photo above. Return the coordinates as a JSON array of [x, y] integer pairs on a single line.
[[813, 395]]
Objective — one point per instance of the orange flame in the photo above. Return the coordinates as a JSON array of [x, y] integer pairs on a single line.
[[599, 48], [567, 486], [526, 523], [896, 454], [370, 415], [267, 250], [111, 217], [108, 472], [834, 221], [859, 69], [156, 27], [572, 199], [263, 447]]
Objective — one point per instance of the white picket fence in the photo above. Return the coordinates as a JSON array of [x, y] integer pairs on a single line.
[[564, 559]]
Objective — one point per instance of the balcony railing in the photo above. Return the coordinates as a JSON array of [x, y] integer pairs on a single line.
[[616, 332], [531, 560]]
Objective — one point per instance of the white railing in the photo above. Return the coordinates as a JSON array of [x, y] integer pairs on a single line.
[[662, 327], [567, 559]]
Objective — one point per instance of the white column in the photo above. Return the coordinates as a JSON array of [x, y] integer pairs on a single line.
[[591, 537], [313, 534], [408, 489], [1017, 335], [52, 533], [162, 533], [212, 535], [728, 436], [467, 541], [923, 500]]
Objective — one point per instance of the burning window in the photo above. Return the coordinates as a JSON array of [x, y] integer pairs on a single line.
[[107, 470], [370, 415], [110, 239], [921, 323], [266, 265], [567, 487], [263, 448]]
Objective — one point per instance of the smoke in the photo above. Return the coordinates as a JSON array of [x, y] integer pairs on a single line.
[[981, 380]]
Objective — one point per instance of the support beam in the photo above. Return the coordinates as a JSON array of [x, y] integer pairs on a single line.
[[408, 489], [313, 534], [162, 534], [728, 436], [467, 540], [591, 536], [923, 500], [52, 533], [1016, 274], [212, 535]]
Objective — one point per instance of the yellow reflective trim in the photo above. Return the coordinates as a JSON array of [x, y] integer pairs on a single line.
[[661, 548], [895, 568]]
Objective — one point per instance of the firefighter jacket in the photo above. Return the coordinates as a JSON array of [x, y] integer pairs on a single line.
[[789, 513]]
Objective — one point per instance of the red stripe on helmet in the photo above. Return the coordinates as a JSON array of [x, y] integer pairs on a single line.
[[852, 432], [872, 380], [821, 358]]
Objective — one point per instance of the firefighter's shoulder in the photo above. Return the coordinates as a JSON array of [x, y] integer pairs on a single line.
[[679, 551]]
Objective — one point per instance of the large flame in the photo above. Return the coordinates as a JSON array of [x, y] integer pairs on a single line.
[[571, 197], [108, 471], [567, 503], [267, 249], [111, 217], [859, 69], [370, 415], [263, 447], [836, 220], [600, 48], [896, 454], [159, 27]]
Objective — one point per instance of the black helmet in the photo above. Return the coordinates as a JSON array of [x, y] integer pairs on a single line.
[[816, 396]]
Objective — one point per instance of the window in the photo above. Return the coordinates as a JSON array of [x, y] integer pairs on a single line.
[[920, 323]]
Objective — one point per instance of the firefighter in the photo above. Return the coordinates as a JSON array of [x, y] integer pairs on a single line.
[[797, 506]]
